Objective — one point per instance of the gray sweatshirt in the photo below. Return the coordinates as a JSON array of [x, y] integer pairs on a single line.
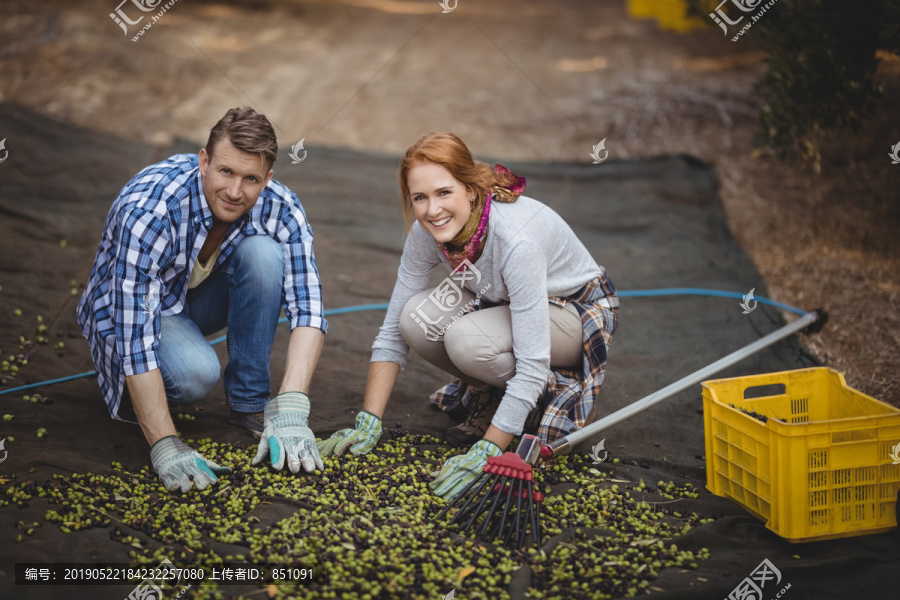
[[530, 255]]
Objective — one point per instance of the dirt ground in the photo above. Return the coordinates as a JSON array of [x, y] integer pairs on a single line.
[[516, 80]]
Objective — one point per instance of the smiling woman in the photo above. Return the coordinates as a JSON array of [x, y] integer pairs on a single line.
[[534, 313]]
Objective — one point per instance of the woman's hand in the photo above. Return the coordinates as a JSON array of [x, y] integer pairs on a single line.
[[460, 471], [360, 439]]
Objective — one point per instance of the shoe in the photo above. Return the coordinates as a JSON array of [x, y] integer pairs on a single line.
[[458, 414], [455, 394], [252, 422], [481, 408], [533, 420]]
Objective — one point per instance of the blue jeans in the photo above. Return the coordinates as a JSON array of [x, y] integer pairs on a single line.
[[244, 294]]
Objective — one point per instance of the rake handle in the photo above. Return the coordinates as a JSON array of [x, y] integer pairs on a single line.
[[564, 444]]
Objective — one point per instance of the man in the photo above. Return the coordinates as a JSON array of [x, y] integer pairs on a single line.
[[191, 245]]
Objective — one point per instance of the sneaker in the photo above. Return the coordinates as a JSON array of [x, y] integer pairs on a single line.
[[481, 409], [252, 422]]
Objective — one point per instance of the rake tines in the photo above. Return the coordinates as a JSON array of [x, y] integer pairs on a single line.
[[506, 480]]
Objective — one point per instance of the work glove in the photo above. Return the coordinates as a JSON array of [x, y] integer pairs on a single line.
[[178, 465], [286, 434], [459, 471], [360, 440]]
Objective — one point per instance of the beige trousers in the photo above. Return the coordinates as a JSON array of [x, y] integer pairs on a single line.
[[478, 347]]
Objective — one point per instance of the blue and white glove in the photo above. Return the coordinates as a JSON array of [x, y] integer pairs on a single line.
[[286, 434], [178, 465], [459, 471], [360, 439]]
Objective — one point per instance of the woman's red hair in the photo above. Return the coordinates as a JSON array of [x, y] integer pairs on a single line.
[[446, 149]]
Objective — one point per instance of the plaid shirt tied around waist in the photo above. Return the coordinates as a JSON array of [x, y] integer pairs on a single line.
[[570, 393]]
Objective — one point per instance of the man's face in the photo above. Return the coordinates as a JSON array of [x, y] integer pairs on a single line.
[[232, 180]]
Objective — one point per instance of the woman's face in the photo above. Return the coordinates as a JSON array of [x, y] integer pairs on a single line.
[[442, 205]]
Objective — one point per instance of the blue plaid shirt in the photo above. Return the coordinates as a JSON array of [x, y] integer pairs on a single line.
[[151, 240]]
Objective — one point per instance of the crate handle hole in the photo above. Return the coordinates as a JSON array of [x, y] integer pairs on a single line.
[[762, 391]]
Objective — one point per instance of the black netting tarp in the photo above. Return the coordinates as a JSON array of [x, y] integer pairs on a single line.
[[653, 224]]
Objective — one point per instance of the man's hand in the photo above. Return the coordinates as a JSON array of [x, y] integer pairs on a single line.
[[286, 434], [177, 465], [458, 472], [360, 440]]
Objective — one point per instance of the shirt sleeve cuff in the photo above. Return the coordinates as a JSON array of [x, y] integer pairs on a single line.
[[510, 416], [139, 364], [385, 355], [309, 320]]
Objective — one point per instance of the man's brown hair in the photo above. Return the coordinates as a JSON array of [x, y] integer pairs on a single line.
[[247, 130]]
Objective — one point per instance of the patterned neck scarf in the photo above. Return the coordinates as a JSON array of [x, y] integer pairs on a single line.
[[465, 245]]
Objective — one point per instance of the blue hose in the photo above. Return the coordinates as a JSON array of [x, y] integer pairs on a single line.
[[362, 307], [705, 292], [333, 311]]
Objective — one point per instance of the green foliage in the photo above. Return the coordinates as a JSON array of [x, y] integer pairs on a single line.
[[821, 67]]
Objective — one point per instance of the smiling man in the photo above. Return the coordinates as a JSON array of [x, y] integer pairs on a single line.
[[192, 245]]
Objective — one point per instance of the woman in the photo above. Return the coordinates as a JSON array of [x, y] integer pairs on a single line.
[[523, 297]]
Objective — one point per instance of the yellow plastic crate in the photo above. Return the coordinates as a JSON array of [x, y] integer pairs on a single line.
[[669, 14], [641, 9], [818, 468]]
